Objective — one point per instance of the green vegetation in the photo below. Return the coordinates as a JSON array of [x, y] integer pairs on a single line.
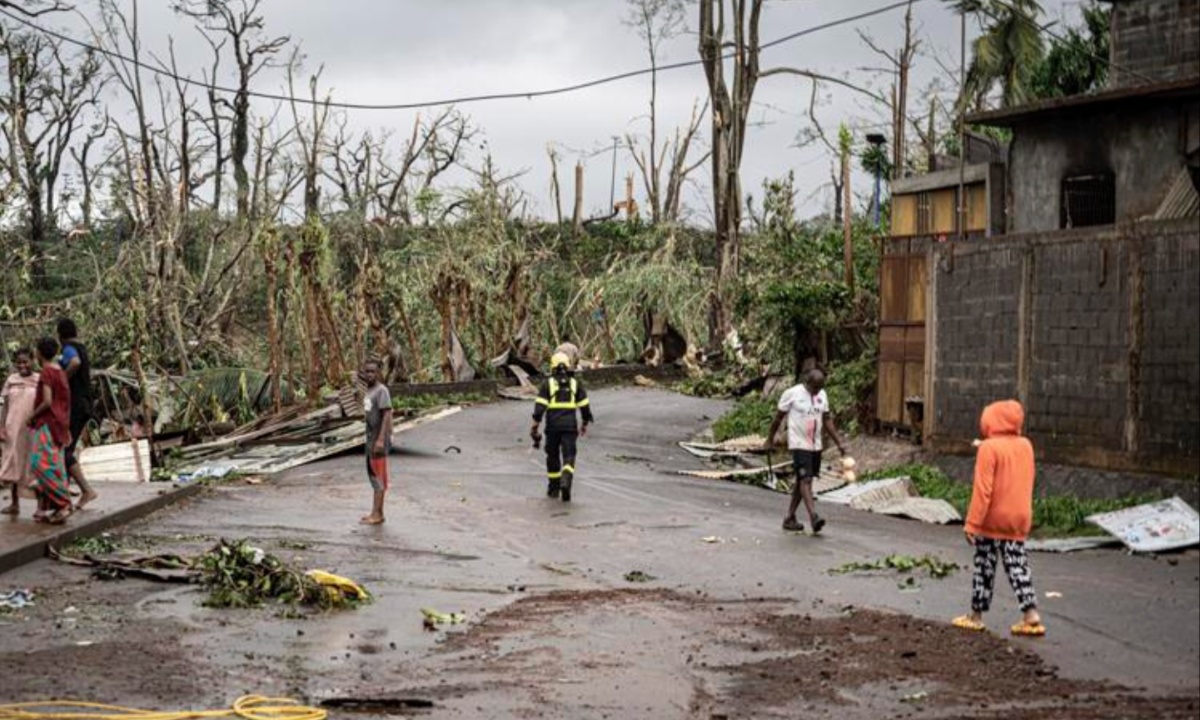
[[237, 575], [750, 416], [103, 544], [849, 387], [935, 566], [1054, 516]]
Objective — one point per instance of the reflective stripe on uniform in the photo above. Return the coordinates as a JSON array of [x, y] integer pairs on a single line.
[[542, 401], [554, 475], [555, 404], [569, 468]]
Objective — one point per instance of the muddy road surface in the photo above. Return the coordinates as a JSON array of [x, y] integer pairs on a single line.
[[650, 596]]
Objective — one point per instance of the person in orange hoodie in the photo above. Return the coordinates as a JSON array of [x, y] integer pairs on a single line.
[[1001, 515]]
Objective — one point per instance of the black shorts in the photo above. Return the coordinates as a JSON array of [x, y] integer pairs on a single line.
[[807, 463]]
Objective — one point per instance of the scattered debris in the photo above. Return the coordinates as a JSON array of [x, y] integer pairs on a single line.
[[286, 440], [735, 474], [117, 462], [915, 697], [935, 566], [1066, 545], [102, 544], [894, 496], [16, 599], [637, 576], [928, 510], [643, 381], [1053, 595], [713, 539], [1154, 527], [241, 576], [456, 449], [433, 618], [160, 568], [341, 590]]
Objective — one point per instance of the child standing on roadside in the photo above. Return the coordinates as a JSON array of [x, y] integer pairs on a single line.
[[377, 407], [1001, 516]]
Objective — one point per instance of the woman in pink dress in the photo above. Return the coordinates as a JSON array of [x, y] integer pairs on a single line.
[[19, 396]]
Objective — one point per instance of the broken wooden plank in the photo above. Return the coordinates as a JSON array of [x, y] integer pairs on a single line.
[[117, 462]]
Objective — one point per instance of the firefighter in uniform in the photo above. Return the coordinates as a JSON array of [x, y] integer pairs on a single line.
[[559, 397]]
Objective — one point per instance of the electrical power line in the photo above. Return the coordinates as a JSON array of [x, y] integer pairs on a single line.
[[529, 95]]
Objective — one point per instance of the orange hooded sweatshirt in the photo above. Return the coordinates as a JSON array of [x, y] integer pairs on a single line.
[[1002, 500]]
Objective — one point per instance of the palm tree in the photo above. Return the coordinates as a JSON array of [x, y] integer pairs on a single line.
[[1007, 53]]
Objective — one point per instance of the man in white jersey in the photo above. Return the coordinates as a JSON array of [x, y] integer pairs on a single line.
[[806, 409]]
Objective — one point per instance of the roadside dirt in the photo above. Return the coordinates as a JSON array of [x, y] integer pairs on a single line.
[[600, 653], [699, 657]]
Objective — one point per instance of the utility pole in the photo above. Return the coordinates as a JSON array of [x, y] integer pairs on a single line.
[[612, 187], [962, 126]]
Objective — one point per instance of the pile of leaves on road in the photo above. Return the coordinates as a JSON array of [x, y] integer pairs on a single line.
[[935, 566], [102, 544], [238, 575]]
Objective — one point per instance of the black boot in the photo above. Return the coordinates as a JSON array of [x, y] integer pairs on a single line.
[[553, 489], [566, 486]]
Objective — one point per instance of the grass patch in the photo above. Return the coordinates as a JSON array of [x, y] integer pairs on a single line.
[[1054, 516]]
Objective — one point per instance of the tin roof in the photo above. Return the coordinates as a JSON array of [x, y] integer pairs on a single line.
[[1007, 117]]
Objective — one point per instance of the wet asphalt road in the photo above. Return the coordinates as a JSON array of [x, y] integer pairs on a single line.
[[473, 531]]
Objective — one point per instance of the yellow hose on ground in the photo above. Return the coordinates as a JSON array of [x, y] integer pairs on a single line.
[[250, 707]]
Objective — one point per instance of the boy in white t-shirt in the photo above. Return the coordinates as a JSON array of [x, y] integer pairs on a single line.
[[806, 409]]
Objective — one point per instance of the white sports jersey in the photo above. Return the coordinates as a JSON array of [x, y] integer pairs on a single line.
[[805, 417]]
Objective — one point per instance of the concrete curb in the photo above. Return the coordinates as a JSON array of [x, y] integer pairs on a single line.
[[82, 527]]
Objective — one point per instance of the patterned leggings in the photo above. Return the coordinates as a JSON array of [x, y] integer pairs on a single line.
[[1016, 565]]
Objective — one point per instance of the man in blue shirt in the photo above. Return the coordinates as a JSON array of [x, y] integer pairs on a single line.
[[74, 361]]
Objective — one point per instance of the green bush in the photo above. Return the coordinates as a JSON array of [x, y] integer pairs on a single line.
[[1053, 515], [750, 416]]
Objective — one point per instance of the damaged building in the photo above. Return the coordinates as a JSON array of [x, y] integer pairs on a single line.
[[1074, 284]]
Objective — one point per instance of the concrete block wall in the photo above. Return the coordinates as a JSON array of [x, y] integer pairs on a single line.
[[1170, 359], [1155, 40], [978, 304], [1097, 331], [1078, 371]]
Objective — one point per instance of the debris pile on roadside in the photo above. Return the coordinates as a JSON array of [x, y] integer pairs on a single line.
[[235, 574]]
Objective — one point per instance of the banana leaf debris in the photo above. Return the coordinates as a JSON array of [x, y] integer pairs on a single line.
[[235, 574]]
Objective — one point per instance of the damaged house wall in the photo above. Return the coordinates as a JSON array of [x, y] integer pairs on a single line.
[[1093, 329], [1137, 143]]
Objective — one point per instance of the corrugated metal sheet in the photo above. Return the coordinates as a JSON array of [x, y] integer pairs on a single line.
[[1182, 200]]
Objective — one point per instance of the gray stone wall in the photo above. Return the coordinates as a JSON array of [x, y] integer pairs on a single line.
[[1154, 40], [1097, 331]]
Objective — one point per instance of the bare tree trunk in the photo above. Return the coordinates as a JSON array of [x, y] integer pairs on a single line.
[[847, 220], [577, 216], [555, 192], [730, 109]]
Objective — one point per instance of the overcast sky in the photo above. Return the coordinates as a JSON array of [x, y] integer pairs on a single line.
[[399, 51]]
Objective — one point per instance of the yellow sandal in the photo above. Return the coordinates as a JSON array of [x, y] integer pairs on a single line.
[[1024, 629], [964, 622]]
